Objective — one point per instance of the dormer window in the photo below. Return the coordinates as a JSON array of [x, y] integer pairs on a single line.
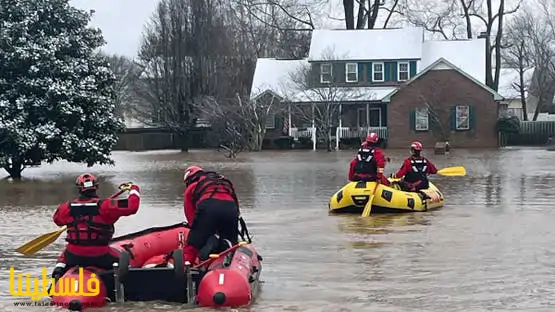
[[351, 72], [378, 72], [403, 71], [325, 73]]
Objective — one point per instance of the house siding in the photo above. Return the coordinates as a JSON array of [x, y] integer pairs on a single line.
[[443, 89]]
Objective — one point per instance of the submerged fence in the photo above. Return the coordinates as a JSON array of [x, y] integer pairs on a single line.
[[531, 133]]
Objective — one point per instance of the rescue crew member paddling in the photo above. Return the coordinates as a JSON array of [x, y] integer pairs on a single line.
[[211, 207], [369, 163], [415, 170], [90, 225]]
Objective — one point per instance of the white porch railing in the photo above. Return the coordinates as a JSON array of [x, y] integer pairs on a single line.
[[342, 132], [360, 132], [297, 133]]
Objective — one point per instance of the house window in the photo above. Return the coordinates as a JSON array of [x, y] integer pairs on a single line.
[[372, 118], [361, 117], [375, 115], [377, 72], [325, 73], [422, 121], [271, 121], [403, 71], [462, 121], [351, 72]]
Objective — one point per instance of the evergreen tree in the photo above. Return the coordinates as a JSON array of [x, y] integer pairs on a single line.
[[56, 91]]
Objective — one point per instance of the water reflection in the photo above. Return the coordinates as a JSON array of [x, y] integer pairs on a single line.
[[486, 250]]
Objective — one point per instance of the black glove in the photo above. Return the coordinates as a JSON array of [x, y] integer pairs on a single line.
[[58, 272]]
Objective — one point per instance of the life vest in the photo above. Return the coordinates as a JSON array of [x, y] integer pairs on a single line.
[[418, 170], [214, 184], [366, 164], [84, 230]]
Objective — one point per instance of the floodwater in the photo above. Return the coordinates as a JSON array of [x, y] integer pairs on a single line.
[[490, 249]]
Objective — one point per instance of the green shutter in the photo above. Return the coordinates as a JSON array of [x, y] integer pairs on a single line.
[[360, 71], [412, 65], [369, 71], [471, 117], [412, 122], [390, 71], [453, 115]]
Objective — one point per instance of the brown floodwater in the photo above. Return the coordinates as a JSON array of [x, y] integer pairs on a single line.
[[491, 248]]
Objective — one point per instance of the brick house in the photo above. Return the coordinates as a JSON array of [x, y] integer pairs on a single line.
[[390, 81]]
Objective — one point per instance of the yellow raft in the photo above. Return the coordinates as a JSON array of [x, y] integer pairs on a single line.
[[353, 197]]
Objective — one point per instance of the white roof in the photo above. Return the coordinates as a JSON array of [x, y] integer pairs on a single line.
[[340, 94], [509, 79], [274, 75], [366, 44], [468, 55]]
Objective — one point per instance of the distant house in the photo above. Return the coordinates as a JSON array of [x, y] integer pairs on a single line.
[[509, 88], [399, 85]]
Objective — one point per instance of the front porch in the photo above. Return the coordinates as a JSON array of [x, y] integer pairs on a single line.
[[354, 121]]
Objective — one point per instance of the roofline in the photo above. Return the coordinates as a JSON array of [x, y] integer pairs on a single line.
[[496, 96], [265, 92], [364, 60]]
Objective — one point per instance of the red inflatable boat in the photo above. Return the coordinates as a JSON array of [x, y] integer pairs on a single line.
[[136, 248], [151, 268]]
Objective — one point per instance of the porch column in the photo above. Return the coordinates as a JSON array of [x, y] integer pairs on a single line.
[[367, 118], [313, 129], [338, 132], [289, 119]]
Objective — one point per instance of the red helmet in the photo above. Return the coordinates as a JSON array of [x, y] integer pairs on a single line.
[[372, 137], [417, 146], [190, 172], [86, 182]]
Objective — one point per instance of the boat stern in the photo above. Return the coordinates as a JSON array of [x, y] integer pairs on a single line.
[[351, 198], [78, 289]]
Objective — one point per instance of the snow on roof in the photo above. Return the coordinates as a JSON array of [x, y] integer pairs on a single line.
[[340, 94], [509, 78], [366, 44], [274, 75], [467, 55]]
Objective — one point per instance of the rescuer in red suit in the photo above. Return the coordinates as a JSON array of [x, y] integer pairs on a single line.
[[211, 207], [415, 170], [369, 163], [90, 225]]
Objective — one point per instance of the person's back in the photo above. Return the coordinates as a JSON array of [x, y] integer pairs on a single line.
[[211, 207], [90, 225], [363, 167], [415, 170], [369, 163]]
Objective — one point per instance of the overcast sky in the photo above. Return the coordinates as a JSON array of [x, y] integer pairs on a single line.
[[121, 21]]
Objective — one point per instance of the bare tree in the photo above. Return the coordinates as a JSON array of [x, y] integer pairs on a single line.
[[241, 122], [455, 19], [515, 56], [126, 72], [536, 35], [367, 13], [276, 28], [320, 105], [189, 52]]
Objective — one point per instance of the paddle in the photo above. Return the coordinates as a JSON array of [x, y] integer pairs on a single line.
[[44, 240], [368, 207], [458, 171]]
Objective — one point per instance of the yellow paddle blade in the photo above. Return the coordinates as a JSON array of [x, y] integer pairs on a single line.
[[368, 207], [40, 242], [459, 171]]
